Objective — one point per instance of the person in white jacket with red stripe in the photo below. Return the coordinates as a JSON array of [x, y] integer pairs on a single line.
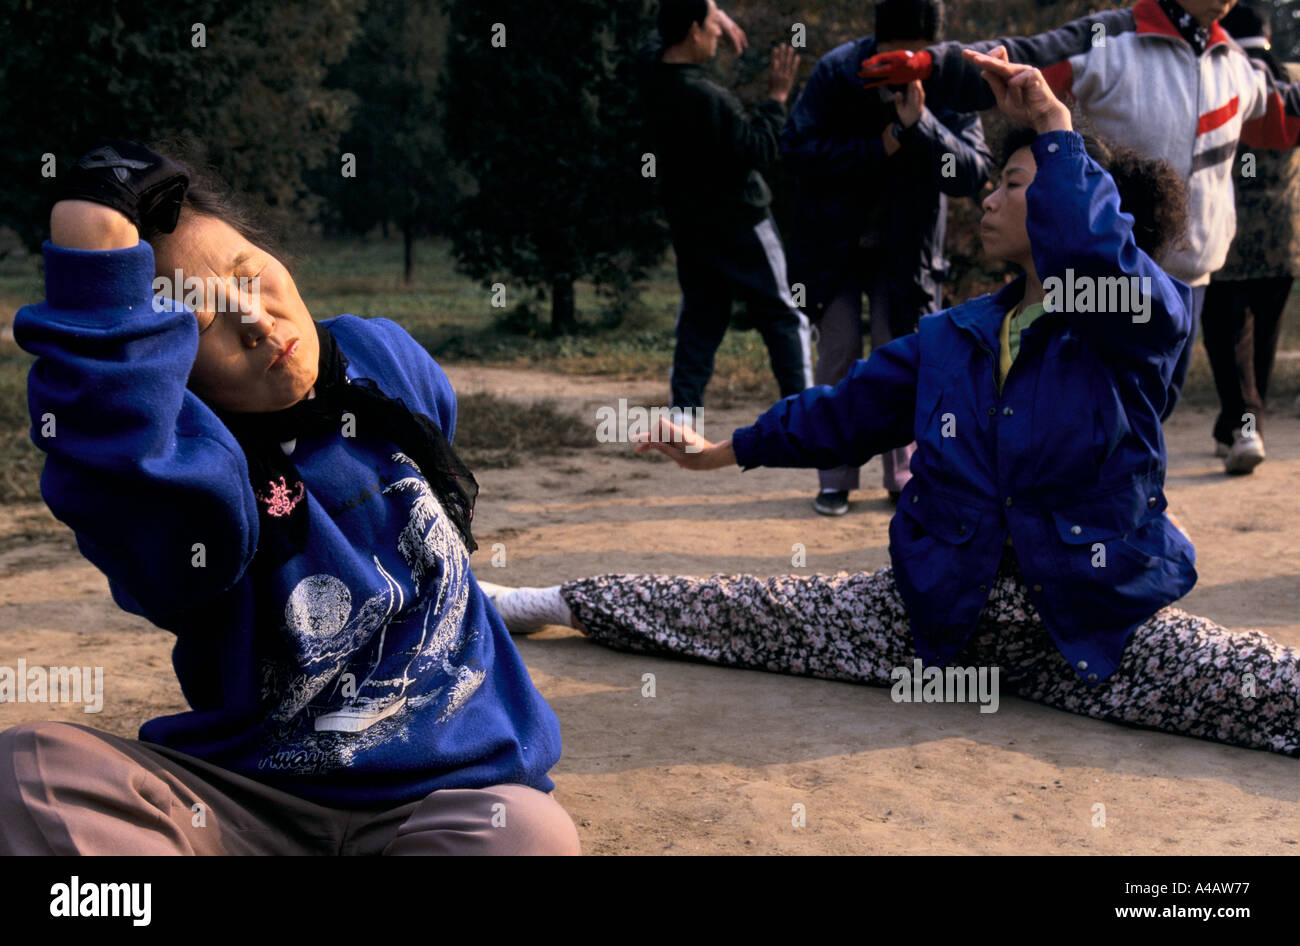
[[1162, 77]]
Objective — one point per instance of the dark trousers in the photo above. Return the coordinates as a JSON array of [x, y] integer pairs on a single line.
[[746, 264], [839, 345], [1241, 323], [1185, 358]]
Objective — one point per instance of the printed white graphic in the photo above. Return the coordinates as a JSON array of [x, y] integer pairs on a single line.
[[358, 674]]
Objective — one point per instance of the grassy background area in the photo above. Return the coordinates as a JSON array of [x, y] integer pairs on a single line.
[[454, 318]]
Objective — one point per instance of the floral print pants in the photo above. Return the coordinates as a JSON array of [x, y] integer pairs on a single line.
[[1179, 673]]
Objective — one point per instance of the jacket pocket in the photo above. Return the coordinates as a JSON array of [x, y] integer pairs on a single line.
[[1109, 515], [939, 517]]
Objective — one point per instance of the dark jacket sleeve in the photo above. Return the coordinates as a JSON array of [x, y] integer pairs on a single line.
[[811, 148], [957, 84], [960, 134], [872, 410], [753, 140]]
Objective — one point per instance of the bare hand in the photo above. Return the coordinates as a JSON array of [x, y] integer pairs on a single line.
[[910, 103], [86, 225], [686, 448], [735, 35], [780, 77], [1022, 92]]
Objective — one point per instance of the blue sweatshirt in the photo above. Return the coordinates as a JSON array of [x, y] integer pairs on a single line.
[[366, 672]]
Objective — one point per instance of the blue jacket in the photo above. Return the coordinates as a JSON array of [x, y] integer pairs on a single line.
[[1069, 460], [832, 143], [369, 670]]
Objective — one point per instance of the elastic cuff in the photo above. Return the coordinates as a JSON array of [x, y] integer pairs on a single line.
[[1057, 144], [744, 443]]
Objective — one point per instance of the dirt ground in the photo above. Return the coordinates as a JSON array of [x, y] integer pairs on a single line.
[[718, 760]]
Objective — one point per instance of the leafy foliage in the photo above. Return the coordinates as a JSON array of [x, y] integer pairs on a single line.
[[244, 76], [549, 127]]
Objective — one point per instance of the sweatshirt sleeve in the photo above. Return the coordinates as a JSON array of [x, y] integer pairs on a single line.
[[152, 483], [870, 411], [1083, 242], [957, 84], [1271, 118]]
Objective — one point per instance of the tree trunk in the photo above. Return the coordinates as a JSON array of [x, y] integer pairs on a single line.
[[563, 319], [408, 250]]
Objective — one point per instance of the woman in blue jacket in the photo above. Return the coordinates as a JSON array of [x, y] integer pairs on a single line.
[[283, 496], [1032, 535]]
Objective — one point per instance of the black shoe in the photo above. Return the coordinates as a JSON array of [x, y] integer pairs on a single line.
[[832, 502]]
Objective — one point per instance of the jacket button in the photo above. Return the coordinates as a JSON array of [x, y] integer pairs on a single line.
[[1151, 503], [1008, 500], [984, 587], [1075, 530], [1092, 678], [1007, 412], [992, 411], [1082, 665], [915, 498], [1053, 148], [961, 529], [1038, 587]]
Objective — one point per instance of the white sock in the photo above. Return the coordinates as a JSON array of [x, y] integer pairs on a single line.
[[528, 609]]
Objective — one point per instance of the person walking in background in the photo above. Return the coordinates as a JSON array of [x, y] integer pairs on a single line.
[[873, 172], [709, 158], [1246, 298], [1162, 77]]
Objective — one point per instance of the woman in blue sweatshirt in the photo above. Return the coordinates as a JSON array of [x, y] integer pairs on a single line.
[[1032, 536], [282, 495]]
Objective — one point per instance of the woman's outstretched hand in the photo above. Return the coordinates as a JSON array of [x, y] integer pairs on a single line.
[[684, 446], [1022, 93]]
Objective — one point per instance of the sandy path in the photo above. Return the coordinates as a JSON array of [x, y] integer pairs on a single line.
[[718, 759]]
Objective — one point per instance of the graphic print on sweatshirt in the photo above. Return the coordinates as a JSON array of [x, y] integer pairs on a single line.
[[361, 672]]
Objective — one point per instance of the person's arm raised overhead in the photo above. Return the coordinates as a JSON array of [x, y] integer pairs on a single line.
[[754, 140], [154, 486], [1079, 235], [953, 82]]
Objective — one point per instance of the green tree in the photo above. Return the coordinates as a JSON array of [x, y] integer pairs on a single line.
[[243, 76], [402, 174], [542, 110]]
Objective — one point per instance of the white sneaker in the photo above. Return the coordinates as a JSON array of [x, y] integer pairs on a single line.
[[1247, 452], [1220, 448], [525, 610]]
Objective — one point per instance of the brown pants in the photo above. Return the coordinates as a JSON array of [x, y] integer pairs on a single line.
[[69, 789]]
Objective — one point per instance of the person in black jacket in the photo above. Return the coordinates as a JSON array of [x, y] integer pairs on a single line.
[[872, 168], [709, 159]]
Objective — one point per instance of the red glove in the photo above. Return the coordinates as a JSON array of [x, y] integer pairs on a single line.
[[896, 68]]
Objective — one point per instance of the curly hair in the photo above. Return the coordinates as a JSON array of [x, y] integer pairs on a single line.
[[209, 195], [1149, 189]]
